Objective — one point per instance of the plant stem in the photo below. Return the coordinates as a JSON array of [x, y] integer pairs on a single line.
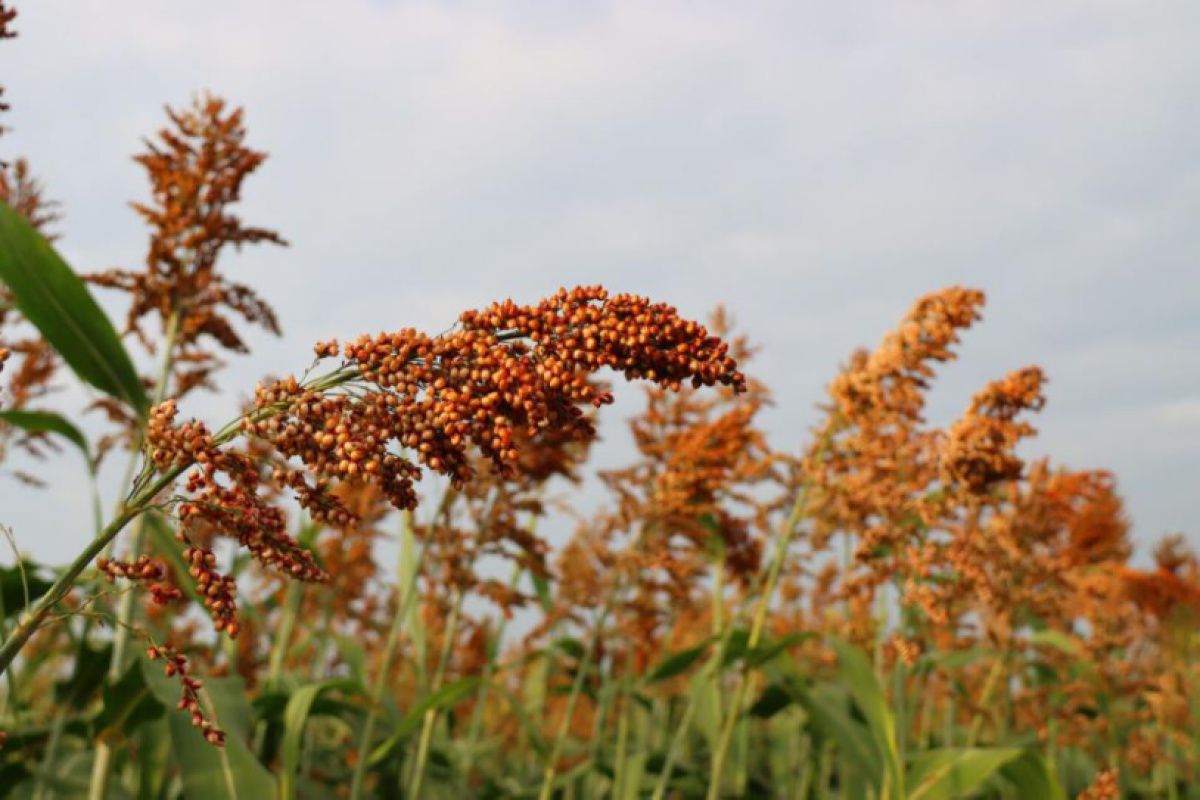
[[760, 617], [130, 510], [489, 670], [573, 698], [406, 595], [98, 788], [430, 720], [623, 727], [33, 620]]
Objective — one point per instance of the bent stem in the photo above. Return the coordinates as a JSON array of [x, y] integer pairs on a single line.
[[147, 487], [33, 620]]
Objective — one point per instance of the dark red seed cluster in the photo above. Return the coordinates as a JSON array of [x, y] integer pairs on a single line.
[[219, 591], [224, 495], [144, 571], [176, 666]]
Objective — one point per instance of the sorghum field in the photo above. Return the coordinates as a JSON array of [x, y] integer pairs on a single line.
[[886, 610]]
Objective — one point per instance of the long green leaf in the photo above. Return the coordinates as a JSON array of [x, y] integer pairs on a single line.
[[47, 422], [295, 718], [446, 697], [127, 704], [677, 662], [56, 301], [230, 772], [950, 773], [1030, 776], [860, 680]]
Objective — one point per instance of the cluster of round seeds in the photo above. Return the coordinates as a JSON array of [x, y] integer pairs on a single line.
[[238, 511], [186, 444], [219, 591], [336, 437], [176, 666], [145, 571], [508, 373]]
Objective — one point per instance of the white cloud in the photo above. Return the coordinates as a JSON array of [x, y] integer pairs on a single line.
[[813, 166], [1180, 412]]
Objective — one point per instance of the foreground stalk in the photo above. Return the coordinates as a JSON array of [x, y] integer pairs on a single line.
[[134, 507]]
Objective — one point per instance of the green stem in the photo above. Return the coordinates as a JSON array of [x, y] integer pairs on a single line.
[[98, 788], [142, 498], [989, 687], [489, 670], [283, 640], [623, 727], [756, 629], [405, 598], [576, 688], [430, 720], [34, 619]]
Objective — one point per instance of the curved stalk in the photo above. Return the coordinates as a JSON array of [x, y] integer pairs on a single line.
[[34, 619], [147, 487], [489, 671]]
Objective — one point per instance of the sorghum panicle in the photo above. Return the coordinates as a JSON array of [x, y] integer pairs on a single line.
[[175, 665]]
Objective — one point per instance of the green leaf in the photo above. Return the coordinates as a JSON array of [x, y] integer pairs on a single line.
[[1031, 778], [829, 709], [950, 773], [767, 651], [56, 301], [20, 584], [127, 704], [295, 718], [230, 772], [736, 646], [88, 673], [774, 699], [48, 422], [352, 653], [860, 680], [1055, 639], [572, 647], [677, 662], [446, 697]]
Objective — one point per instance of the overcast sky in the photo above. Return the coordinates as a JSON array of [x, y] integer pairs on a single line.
[[815, 166]]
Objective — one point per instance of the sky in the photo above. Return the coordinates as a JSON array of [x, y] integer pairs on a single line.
[[813, 166]]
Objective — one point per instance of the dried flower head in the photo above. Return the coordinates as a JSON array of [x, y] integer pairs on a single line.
[[979, 452], [196, 169]]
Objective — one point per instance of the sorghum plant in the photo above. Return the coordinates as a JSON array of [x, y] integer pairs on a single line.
[[891, 609]]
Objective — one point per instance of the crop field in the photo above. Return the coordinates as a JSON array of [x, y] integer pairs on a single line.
[[886, 610]]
